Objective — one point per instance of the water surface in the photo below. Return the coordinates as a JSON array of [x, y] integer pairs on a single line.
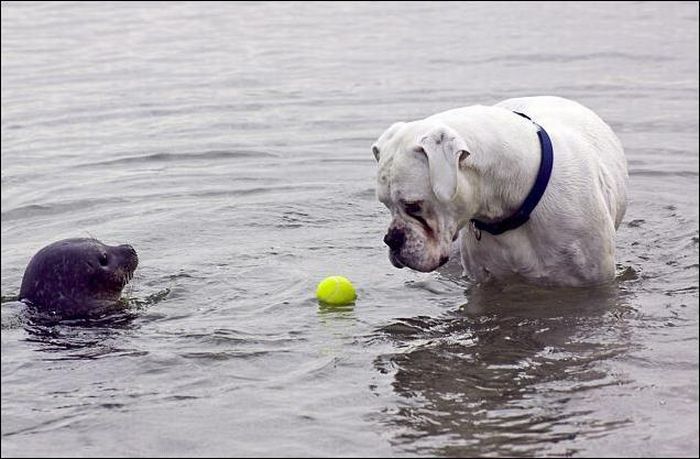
[[230, 144]]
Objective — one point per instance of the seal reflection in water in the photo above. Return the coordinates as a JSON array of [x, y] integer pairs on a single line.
[[79, 277]]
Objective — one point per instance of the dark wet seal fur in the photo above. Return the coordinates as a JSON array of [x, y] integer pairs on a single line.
[[75, 278]]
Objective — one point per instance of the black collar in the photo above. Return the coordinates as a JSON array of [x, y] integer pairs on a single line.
[[522, 215]]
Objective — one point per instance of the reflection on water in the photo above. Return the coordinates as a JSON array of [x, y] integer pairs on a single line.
[[83, 338], [502, 374], [80, 339]]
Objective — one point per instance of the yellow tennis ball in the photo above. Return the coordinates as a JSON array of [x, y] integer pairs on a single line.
[[336, 290]]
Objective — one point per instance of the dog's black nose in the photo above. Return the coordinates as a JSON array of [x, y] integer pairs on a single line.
[[395, 238]]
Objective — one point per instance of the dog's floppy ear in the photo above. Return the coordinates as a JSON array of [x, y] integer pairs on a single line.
[[384, 138], [444, 149]]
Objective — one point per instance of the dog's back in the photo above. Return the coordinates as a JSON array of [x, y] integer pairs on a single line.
[[561, 115]]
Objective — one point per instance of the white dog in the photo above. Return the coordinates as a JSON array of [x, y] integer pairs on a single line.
[[482, 174]]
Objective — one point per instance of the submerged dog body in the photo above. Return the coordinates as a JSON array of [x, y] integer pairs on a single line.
[[77, 277], [478, 162]]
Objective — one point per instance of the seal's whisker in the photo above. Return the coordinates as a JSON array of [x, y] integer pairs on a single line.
[[91, 236]]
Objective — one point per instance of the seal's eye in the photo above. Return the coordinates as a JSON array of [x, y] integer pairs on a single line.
[[103, 259]]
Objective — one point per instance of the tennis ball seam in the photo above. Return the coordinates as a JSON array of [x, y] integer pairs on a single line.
[[335, 288], [331, 297], [335, 295]]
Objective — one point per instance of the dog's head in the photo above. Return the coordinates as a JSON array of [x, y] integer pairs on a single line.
[[423, 179]]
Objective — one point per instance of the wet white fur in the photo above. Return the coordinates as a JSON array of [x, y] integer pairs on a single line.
[[569, 239]]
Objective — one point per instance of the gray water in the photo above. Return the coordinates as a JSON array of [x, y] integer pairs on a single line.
[[229, 143]]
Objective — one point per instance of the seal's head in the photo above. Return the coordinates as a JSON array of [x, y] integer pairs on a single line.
[[77, 277]]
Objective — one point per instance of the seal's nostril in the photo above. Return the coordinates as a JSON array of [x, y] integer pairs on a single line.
[[130, 257], [129, 248]]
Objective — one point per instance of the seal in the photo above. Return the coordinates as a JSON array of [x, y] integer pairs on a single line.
[[79, 277]]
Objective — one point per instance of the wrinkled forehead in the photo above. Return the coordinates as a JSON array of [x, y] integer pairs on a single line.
[[403, 173]]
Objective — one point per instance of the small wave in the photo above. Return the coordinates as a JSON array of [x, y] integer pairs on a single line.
[[150, 300], [230, 354], [529, 59], [9, 298], [34, 210], [191, 156], [657, 173]]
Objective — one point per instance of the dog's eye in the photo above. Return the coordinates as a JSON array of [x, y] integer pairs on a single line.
[[103, 259], [413, 208]]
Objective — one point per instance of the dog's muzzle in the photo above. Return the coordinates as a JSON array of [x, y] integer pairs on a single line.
[[395, 239], [394, 259]]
